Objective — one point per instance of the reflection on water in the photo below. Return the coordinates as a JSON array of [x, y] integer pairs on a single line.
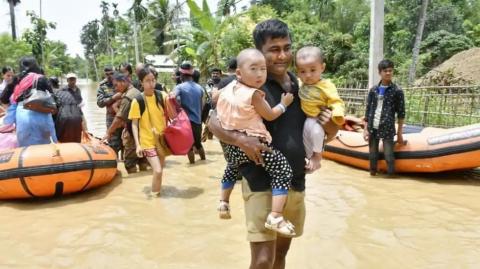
[[95, 115], [353, 221]]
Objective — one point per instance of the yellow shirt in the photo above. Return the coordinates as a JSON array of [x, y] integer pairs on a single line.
[[323, 93], [146, 131]]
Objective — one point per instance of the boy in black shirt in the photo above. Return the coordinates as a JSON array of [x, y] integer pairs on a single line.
[[384, 101]]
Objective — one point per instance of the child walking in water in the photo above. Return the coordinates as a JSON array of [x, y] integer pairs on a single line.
[[314, 94], [148, 125], [242, 107]]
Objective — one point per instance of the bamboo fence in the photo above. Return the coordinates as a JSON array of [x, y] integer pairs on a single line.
[[434, 106]]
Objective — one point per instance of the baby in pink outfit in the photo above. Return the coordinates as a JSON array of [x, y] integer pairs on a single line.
[[242, 107]]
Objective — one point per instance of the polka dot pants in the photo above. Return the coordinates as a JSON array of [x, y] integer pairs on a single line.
[[276, 166]]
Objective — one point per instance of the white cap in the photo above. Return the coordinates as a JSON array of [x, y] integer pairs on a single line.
[[71, 75]]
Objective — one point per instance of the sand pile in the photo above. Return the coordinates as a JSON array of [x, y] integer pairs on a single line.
[[462, 68]]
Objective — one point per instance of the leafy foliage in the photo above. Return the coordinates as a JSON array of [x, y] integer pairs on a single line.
[[12, 51], [441, 45], [340, 28], [37, 36]]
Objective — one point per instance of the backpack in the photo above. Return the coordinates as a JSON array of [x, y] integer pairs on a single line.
[[141, 101], [141, 104]]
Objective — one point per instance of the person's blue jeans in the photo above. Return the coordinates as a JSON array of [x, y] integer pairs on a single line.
[[388, 146]]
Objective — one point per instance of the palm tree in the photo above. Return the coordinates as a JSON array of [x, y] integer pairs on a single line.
[[12, 4], [225, 6], [138, 12], [206, 35], [163, 14]]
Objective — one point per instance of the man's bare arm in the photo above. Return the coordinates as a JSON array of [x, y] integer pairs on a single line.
[[325, 119], [250, 145]]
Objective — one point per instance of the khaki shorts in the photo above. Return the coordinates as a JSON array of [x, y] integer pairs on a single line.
[[259, 204]]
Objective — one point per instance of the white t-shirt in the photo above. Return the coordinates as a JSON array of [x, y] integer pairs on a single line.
[[378, 111]]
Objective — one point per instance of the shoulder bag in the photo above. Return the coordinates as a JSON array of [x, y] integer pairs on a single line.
[[40, 101]]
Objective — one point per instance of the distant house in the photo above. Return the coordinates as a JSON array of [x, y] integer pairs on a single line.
[[162, 63]]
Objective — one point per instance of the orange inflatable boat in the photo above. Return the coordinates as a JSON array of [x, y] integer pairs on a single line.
[[427, 150], [54, 170]]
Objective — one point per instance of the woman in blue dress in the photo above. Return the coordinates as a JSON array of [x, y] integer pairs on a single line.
[[32, 127]]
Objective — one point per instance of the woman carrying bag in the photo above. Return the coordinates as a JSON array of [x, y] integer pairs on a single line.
[[33, 127], [148, 124]]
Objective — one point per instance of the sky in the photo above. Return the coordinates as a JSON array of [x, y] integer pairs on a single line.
[[69, 15]]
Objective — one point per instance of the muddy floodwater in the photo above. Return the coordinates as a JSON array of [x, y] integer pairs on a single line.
[[353, 220]]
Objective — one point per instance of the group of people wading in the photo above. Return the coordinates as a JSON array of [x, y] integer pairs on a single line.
[[272, 126]]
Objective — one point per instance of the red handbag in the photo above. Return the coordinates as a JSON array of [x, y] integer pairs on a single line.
[[178, 133]]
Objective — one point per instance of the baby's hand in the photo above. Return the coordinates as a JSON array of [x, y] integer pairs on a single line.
[[314, 163], [287, 99]]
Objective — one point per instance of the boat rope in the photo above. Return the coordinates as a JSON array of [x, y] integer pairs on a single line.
[[338, 137]]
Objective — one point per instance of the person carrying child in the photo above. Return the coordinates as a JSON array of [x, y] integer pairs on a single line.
[[314, 94], [242, 107]]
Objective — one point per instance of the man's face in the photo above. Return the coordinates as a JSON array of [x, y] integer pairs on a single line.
[[71, 82], [278, 55], [124, 71], [215, 75], [109, 75], [386, 74]]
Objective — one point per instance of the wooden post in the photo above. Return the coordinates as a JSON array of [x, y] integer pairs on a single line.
[[376, 40]]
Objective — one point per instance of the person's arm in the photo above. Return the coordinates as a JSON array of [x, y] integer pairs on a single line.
[[263, 108], [337, 106], [325, 119], [250, 145], [138, 148], [104, 100], [215, 94], [176, 92], [366, 135], [84, 124], [117, 123]]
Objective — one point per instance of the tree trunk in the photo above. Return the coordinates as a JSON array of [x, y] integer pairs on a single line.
[[135, 40], [12, 20], [160, 41], [141, 43], [95, 67], [418, 40]]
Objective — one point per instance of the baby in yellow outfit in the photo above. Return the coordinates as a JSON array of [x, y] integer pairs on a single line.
[[315, 93]]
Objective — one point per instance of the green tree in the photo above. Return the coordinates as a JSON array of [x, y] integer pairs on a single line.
[[138, 13], [162, 20], [90, 37], [205, 43], [418, 39], [37, 36], [472, 31], [441, 45], [238, 31], [57, 61], [107, 31], [225, 7], [281, 7], [12, 50]]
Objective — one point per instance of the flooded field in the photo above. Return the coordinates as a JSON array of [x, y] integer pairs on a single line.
[[353, 220]]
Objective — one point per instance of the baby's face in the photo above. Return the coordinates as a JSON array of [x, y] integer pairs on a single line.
[[253, 72], [309, 70]]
